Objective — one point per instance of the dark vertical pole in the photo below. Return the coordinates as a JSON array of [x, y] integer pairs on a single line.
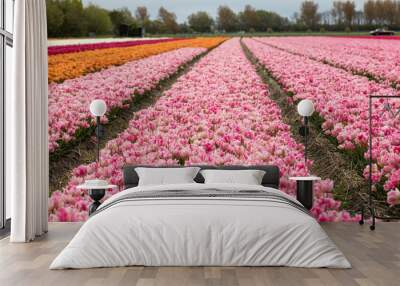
[[98, 137], [370, 151], [305, 141], [371, 207]]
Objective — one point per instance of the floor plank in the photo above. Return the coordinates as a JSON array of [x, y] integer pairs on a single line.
[[375, 257]]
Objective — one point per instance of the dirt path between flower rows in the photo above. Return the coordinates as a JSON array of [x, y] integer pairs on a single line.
[[84, 150], [329, 162]]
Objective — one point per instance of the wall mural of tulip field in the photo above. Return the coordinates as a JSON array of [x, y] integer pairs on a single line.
[[221, 111]]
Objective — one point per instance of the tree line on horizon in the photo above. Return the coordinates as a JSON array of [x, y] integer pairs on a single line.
[[72, 18]]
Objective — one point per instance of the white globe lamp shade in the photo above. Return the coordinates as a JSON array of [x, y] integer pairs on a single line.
[[305, 107], [98, 107]]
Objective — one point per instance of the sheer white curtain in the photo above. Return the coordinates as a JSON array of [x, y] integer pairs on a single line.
[[26, 124]]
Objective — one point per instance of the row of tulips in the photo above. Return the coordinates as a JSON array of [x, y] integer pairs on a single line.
[[65, 49], [73, 65], [69, 101], [379, 59], [341, 99], [217, 113]]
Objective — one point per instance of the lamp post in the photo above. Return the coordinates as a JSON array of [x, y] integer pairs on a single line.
[[98, 108], [97, 188], [305, 108], [304, 192]]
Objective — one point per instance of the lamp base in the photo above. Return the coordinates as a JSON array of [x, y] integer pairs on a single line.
[[96, 195], [305, 193]]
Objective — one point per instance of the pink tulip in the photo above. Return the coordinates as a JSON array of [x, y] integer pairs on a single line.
[[393, 197]]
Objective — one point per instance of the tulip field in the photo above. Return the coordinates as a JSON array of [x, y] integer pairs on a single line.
[[377, 59], [341, 98], [220, 111], [73, 65], [74, 48], [115, 85], [121, 78]]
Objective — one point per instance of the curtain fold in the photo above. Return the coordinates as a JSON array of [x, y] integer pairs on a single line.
[[26, 124]]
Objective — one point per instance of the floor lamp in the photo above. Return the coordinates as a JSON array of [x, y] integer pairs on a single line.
[[97, 188], [304, 192], [305, 108], [98, 108]]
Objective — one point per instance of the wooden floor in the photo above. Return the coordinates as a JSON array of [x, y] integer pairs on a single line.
[[375, 257]]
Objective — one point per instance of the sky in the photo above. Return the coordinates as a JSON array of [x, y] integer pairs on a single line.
[[183, 8]]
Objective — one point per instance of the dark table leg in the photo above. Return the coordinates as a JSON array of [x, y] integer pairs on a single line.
[[96, 195], [305, 193]]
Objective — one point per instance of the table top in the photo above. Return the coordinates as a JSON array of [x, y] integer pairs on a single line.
[[309, 178], [89, 187]]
